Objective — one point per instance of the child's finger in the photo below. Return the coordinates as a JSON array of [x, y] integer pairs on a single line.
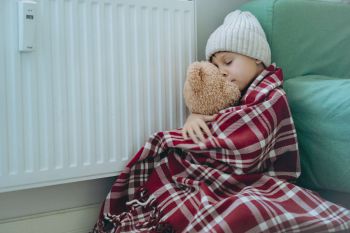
[[210, 118], [205, 128], [184, 134], [199, 133], [193, 136]]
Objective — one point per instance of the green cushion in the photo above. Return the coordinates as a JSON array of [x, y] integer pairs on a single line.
[[320, 108], [306, 36], [309, 37]]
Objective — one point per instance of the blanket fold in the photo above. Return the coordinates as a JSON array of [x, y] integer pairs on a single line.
[[239, 180]]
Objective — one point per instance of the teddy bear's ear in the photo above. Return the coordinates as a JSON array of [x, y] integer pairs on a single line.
[[195, 76]]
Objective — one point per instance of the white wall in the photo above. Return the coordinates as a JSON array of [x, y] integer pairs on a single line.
[[210, 14], [22, 203], [68, 208]]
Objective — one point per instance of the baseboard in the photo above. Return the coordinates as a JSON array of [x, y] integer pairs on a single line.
[[77, 220]]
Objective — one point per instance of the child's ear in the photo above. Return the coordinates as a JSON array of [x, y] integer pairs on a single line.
[[258, 62]]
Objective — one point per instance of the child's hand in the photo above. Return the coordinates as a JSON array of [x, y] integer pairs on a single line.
[[195, 126]]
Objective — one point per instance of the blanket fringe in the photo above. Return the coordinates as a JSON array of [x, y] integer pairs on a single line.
[[110, 222], [136, 202]]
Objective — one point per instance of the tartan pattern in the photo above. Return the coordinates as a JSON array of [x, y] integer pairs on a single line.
[[240, 180]]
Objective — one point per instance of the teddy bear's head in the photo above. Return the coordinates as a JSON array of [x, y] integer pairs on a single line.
[[206, 91]]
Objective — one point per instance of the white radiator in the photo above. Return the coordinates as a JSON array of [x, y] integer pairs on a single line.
[[105, 75]]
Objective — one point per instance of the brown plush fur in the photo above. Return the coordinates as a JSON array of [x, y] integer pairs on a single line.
[[206, 91]]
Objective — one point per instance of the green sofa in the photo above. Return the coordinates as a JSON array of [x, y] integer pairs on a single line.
[[310, 40]]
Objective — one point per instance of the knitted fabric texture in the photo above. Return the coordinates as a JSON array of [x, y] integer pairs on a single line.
[[241, 33]]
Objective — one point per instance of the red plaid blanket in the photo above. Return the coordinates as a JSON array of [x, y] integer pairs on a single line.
[[237, 181]]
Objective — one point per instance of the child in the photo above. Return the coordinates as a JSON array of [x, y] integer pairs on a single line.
[[241, 52], [238, 179]]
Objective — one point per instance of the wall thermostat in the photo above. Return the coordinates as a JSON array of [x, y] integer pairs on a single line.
[[27, 25]]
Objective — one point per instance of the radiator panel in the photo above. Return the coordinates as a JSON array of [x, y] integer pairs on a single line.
[[105, 75]]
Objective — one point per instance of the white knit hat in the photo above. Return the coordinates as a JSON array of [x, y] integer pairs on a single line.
[[242, 33]]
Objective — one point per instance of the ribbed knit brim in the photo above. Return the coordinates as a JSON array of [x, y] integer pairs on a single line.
[[242, 33]]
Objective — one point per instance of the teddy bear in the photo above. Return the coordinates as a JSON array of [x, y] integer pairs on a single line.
[[206, 91]]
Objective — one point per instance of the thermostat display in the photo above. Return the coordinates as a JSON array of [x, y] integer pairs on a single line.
[[26, 25]]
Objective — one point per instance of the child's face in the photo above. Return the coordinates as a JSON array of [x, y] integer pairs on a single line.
[[237, 68]]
